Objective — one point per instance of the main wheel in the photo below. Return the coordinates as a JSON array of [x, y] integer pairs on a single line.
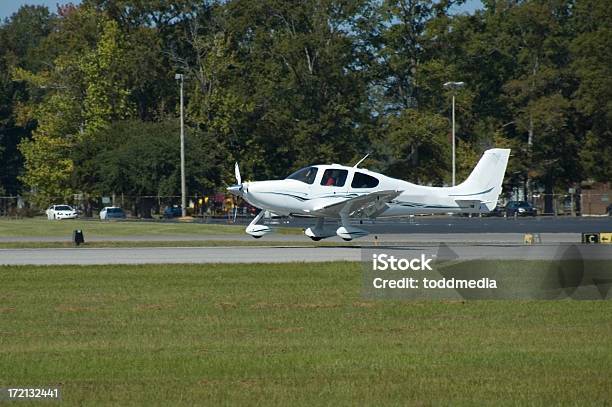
[[316, 239]]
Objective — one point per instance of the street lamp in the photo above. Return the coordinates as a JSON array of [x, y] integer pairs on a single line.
[[454, 86], [179, 76]]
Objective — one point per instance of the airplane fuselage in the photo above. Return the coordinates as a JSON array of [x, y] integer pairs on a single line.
[[291, 197], [340, 192]]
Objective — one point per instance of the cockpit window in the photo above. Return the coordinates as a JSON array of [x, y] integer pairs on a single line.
[[361, 180], [334, 177], [306, 175]]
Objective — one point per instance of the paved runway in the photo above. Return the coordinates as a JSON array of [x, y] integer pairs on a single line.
[[448, 224], [383, 238], [165, 255], [457, 224], [493, 238]]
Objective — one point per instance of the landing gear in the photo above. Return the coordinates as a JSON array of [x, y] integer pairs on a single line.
[[256, 230], [348, 232], [319, 231]]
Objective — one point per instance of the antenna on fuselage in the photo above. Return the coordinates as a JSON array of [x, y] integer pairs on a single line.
[[362, 160]]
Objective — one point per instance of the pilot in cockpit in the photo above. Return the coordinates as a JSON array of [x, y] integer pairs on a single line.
[[330, 181]]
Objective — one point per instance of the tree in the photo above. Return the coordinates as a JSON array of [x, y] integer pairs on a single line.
[[106, 97], [275, 84], [591, 59], [20, 36], [84, 90], [414, 131], [537, 34], [405, 47]]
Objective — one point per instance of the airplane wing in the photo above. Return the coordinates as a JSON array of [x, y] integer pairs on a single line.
[[367, 204]]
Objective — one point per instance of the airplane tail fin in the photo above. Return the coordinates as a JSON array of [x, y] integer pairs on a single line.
[[485, 181]]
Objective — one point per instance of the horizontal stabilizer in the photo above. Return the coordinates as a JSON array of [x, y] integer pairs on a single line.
[[469, 203]]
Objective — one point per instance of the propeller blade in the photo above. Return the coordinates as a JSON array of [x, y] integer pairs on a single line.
[[237, 173], [235, 212]]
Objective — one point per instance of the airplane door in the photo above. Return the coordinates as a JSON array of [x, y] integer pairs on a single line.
[[334, 182]]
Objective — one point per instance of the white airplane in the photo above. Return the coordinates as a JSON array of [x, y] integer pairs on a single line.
[[340, 192]]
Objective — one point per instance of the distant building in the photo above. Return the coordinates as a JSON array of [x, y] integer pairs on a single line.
[[595, 198]]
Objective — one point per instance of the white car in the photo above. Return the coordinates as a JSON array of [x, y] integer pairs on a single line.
[[61, 212], [112, 212]]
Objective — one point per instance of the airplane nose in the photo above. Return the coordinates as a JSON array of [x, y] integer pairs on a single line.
[[235, 190]]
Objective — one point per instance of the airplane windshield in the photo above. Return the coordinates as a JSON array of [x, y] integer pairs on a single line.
[[306, 175]]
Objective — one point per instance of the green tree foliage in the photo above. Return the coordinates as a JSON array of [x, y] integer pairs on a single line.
[[19, 40], [135, 158], [84, 95], [278, 84], [591, 58], [106, 98], [48, 162], [416, 137], [278, 79], [537, 35]]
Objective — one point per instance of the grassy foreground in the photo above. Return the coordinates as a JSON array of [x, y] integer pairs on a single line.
[[296, 334], [43, 227]]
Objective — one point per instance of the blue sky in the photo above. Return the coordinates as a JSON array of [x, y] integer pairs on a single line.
[[469, 7], [8, 7]]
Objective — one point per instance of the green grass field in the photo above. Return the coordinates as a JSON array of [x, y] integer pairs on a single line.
[[297, 334], [43, 227]]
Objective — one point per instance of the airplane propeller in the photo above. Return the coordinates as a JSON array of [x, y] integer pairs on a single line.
[[237, 188], [237, 173]]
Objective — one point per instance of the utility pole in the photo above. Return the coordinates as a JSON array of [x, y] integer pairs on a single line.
[[454, 86], [180, 77], [453, 139]]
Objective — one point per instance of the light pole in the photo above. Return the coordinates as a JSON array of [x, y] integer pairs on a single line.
[[179, 76], [454, 86]]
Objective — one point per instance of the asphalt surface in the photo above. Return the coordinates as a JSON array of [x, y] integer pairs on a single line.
[[383, 238], [444, 224], [282, 254], [491, 238], [415, 229], [430, 224]]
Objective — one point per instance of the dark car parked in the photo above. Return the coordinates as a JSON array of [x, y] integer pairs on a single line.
[[520, 208], [497, 211], [174, 211]]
